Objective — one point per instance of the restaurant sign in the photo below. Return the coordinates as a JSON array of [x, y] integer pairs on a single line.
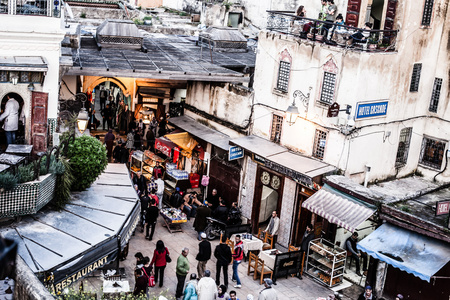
[[299, 177], [371, 109], [235, 152], [442, 207]]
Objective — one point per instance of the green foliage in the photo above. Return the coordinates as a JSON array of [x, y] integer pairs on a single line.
[[139, 8], [88, 159], [8, 181], [64, 181], [148, 17], [83, 15], [227, 4], [138, 21], [25, 173], [75, 295]]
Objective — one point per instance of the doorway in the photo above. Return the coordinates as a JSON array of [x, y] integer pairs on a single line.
[[20, 134], [376, 13], [113, 94]]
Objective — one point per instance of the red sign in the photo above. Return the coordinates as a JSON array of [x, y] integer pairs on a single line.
[[442, 207], [160, 146]]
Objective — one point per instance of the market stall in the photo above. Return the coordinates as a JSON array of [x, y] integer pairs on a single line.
[[173, 218]]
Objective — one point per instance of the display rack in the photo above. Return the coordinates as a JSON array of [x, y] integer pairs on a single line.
[[171, 183], [136, 162], [149, 162], [326, 262]]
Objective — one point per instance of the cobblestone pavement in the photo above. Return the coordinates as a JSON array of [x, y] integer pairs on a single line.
[[290, 288]]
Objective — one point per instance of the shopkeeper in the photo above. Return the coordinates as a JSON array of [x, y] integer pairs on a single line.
[[158, 170]]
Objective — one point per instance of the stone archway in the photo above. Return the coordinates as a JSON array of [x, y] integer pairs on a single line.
[[100, 80]]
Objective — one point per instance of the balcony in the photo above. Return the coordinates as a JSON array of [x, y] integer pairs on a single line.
[[49, 8], [343, 36]]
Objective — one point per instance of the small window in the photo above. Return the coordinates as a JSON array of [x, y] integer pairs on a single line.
[[403, 147], [283, 76], [328, 86], [277, 123], [3, 76], [24, 77], [415, 78], [435, 95], [427, 12], [432, 153], [320, 141]]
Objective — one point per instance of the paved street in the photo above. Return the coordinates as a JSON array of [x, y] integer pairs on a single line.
[[291, 288]]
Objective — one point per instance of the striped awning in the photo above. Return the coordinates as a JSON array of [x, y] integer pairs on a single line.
[[339, 208]]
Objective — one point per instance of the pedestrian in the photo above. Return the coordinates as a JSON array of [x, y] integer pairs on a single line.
[[154, 197], [139, 260], [160, 190], [274, 224], [117, 153], [109, 141], [182, 270], [238, 255], [11, 117], [160, 262], [162, 130], [130, 140], [268, 293], [150, 137], [233, 295], [158, 170], [204, 254], [222, 293], [140, 288], [145, 203], [153, 125], [213, 200], [308, 236], [147, 268], [350, 246], [141, 182], [103, 97], [137, 140], [200, 222], [367, 294], [207, 288], [107, 117], [223, 255], [190, 292], [151, 217]]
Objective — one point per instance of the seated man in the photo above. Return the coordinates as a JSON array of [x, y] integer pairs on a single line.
[[362, 36], [350, 245], [234, 215], [221, 212], [189, 207]]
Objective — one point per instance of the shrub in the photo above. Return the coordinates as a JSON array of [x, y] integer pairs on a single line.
[[148, 18], [138, 21], [83, 15], [64, 181], [25, 173], [8, 181], [87, 157]]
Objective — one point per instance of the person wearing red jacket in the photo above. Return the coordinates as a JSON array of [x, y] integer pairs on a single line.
[[238, 255], [159, 260]]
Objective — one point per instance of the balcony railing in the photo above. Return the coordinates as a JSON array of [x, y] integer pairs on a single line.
[[372, 40], [50, 8]]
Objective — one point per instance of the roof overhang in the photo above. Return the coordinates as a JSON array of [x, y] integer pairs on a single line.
[[406, 250], [23, 63], [339, 208]]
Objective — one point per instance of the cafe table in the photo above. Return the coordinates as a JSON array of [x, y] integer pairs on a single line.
[[268, 256], [254, 244], [115, 287]]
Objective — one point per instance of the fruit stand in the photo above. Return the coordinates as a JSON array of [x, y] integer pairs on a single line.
[[173, 218], [326, 262]]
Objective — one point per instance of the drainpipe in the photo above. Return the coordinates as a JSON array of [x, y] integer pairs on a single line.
[[366, 177]]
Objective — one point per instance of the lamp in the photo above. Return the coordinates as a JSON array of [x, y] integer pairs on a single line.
[[83, 117], [292, 113], [31, 87], [14, 78]]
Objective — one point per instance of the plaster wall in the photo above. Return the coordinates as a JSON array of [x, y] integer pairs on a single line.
[[287, 212], [149, 3], [225, 101], [361, 77], [33, 36], [191, 6], [248, 188]]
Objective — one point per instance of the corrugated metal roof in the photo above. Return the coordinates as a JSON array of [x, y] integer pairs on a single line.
[[339, 208], [23, 63]]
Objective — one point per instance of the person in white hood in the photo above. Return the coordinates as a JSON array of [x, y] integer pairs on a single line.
[[207, 289], [11, 117]]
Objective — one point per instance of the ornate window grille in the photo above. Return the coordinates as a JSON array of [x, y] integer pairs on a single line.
[[277, 126], [403, 147], [320, 141], [435, 94], [427, 12], [283, 76], [432, 153], [3, 76], [328, 86], [415, 78]]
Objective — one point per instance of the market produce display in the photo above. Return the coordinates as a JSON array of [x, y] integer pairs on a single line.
[[173, 215]]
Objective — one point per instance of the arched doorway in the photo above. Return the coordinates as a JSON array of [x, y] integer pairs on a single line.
[[20, 134]]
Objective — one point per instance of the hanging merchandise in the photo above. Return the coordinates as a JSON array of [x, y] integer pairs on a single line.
[[194, 179], [205, 180]]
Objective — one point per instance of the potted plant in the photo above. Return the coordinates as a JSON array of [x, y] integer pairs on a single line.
[[373, 42]]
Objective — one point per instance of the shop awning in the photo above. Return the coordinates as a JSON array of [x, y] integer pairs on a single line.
[[23, 63], [164, 145], [201, 131], [184, 140], [406, 250], [339, 208]]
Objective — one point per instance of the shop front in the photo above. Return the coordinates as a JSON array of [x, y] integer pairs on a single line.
[[277, 179]]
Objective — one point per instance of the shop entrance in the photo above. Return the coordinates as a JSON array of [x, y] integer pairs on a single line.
[[106, 93], [302, 219], [267, 198], [20, 134]]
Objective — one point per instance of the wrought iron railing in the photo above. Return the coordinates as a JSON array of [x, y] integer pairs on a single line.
[[373, 40], [50, 8]]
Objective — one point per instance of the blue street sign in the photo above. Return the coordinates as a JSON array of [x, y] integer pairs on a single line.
[[235, 152], [368, 110]]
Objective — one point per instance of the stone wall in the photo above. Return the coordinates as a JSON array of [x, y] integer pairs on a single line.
[[249, 187], [103, 13], [28, 286]]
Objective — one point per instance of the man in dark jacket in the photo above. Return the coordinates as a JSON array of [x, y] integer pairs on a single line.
[[151, 217], [204, 254], [176, 199], [141, 182], [223, 255], [308, 236], [145, 201], [213, 200], [221, 212], [350, 246], [141, 285], [200, 221]]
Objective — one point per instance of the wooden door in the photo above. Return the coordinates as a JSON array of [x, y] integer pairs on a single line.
[[39, 102], [302, 219], [353, 8], [225, 179]]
